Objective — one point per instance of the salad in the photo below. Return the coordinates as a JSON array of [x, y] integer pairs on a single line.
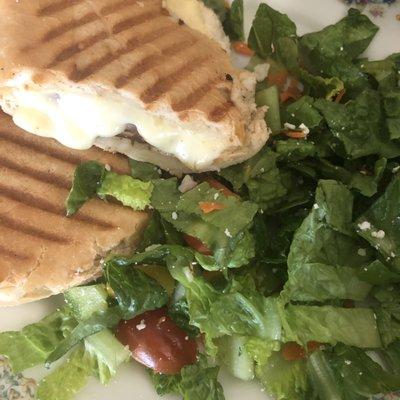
[[284, 269]]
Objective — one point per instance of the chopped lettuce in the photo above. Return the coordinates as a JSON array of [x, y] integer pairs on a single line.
[[129, 191], [273, 32], [88, 178], [224, 231], [379, 224], [144, 171], [195, 382], [325, 258], [234, 22], [33, 344], [134, 291]]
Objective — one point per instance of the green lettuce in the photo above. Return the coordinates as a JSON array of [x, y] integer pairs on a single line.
[[324, 259], [88, 178], [195, 382], [129, 191], [234, 22], [144, 171], [379, 224], [224, 231], [33, 344], [273, 33]]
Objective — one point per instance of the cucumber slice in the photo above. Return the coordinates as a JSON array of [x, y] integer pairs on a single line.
[[234, 358], [85, 300], [270, 97]]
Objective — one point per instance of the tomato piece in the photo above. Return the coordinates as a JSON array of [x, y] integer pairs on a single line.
[[292, 351], [278, 78], [220, 186], [197, 245], [242, 48], [210, 206], [157, 342]]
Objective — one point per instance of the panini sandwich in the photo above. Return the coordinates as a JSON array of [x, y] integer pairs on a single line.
[[84, 72], [42, 251]]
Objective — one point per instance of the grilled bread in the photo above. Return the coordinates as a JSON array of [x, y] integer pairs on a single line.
[[42, 252], [83, 71]]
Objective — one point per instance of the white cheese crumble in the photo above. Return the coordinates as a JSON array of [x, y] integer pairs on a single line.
[[141, 326], [261, 71], [362, 252], [287, 125], [216, 195], [174, 215], [364, 225], [315, 206], [227, 233], [379, 234], [304, 128]]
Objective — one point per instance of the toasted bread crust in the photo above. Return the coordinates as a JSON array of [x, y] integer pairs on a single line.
[[42, 252], [130, 47]]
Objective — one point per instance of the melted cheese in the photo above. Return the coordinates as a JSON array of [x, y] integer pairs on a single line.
[[77, 119]]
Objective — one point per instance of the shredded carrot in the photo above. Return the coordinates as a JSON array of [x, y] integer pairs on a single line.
[[278, 78], [210, 206], [219, 186], [243, 49], [296, 134], [340, 95]]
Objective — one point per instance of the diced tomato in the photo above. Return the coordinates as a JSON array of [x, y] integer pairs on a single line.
[[210, 206], [157, 342], [293, 91], [197, 245], [219, 186], [278, 78], [296, 134], [242, 48], [292, 351]]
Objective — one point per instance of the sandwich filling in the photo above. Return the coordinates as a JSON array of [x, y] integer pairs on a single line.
[[77, 119]]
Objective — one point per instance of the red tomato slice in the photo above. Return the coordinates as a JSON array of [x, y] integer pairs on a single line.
[[292, 351], [157, 342], [197, 244]]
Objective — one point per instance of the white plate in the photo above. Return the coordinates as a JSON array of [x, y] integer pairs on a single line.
[[132, 381]]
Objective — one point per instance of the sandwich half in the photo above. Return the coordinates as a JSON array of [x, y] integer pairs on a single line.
[[42, 252], [128, 76]]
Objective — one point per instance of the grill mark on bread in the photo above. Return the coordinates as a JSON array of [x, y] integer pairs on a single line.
[[112, 8], [219, 112], [55, 7], [41, 148], [132, 44], [70, 25], [164, 84], [45, 177], [74, 49], [152, 61], [44, 205], [193, 98], [13, 254], [134, 21], [21, 227]]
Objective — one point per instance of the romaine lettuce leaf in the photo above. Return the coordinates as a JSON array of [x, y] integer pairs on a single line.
[[195, 382], [88, 178], [358, 126], [224, 231], [144, 171], [330, 52], [273, 33], [129, 191], [379, 225], [234, 22], [68, 379], [134, 291], [324, 259], [33, 344]]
